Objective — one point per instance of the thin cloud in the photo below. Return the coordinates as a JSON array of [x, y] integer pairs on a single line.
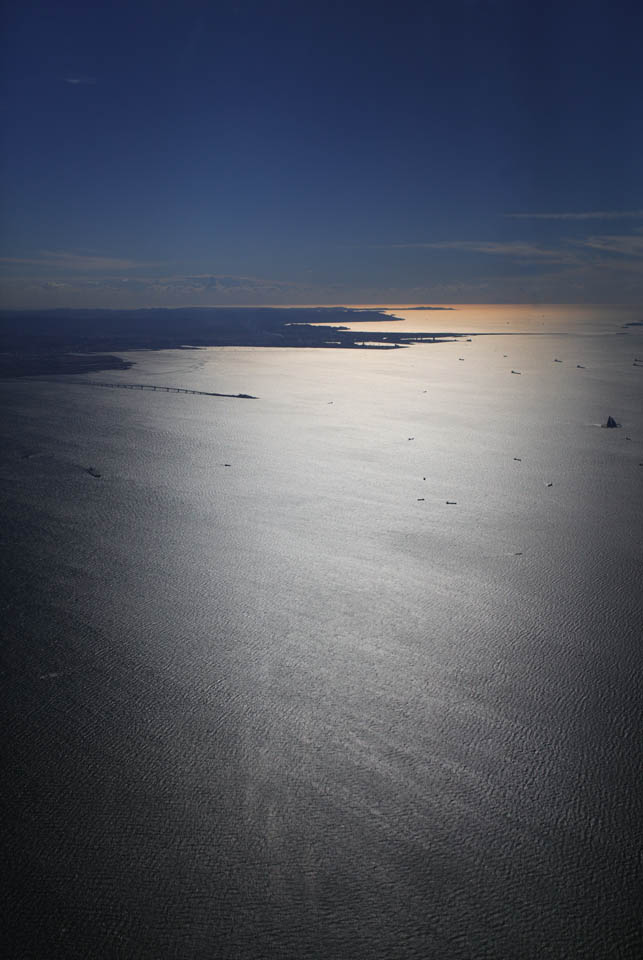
[[64, 260], [627, 245], [82, 81], [587, 215], [516, 249]]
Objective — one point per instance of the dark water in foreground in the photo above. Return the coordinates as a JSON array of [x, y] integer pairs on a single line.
[[288, 709]]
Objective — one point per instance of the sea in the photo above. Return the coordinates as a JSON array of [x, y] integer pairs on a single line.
[[349, 670]]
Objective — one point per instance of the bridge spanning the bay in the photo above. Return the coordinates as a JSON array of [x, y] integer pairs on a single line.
[[150, 386]]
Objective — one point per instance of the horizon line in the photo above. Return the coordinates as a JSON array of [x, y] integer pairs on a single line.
[[314, 306]]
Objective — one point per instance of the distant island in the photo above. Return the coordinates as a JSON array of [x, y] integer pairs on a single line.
[[49, 342]]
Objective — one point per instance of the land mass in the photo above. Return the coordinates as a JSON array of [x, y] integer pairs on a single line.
[[47, 342]]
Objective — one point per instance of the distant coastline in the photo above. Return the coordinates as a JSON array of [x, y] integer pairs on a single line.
[[50, 342], [28, 364], [368, 319]]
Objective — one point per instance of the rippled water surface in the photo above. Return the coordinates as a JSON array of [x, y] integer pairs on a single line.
[[299, 706]]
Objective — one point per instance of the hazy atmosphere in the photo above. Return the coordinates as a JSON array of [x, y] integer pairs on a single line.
[[321, 452]]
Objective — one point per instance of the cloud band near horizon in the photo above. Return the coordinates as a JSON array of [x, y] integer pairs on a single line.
[[586, 215]]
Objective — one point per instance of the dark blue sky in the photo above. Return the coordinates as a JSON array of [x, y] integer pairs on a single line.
[[277, 152]]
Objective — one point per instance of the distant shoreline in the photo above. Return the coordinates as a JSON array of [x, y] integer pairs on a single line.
[[24, 365], [51, 342], [376, 319]]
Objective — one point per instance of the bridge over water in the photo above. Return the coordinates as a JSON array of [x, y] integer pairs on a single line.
[[150, 386]]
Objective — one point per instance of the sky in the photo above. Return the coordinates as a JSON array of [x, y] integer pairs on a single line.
[[195, 153]]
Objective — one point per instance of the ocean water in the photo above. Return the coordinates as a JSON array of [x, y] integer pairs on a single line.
[[299, 706]]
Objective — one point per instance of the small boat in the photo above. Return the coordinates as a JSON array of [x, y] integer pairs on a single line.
[[556, 360], [452, 503], [516, 371], [579, 366], [420, 498], [519, 459], [93, 472], [550, 484]]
